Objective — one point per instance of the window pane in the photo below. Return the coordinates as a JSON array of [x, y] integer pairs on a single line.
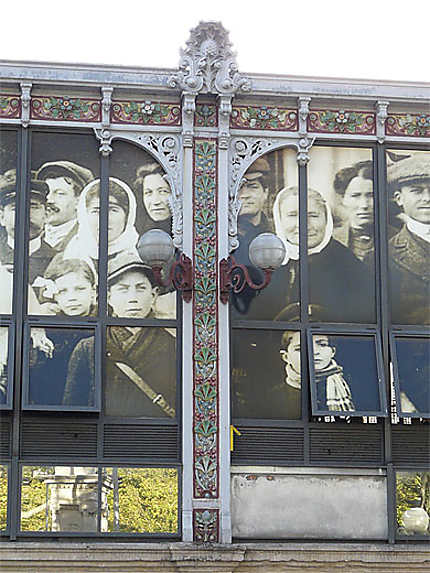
[[59, 498], [63, 224], [413, 366], [4, 365], [8, 158], [62, 368], [408, 179], [341, 235], [269, 203], [140, 199], [344, 375], [141, 500], [3, 496], [413, 503], [140, 372], [266, 374]]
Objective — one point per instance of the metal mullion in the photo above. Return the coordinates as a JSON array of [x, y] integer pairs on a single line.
[[102, 289], [19, 312], [304, 306]]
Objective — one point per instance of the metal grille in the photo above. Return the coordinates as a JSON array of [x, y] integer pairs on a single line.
[[59, 438], [4, 439], [262, 446], [346, 445], [411, 444], [141, 441]]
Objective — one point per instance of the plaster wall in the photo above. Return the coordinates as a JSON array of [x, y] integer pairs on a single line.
[[272, 505]]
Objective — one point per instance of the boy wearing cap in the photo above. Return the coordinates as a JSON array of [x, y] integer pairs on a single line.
[[409, 250], [40, 253], [65, 181], [140, 361]]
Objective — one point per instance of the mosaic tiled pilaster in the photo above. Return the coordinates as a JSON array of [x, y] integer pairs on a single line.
[[205, 335], [206, 525], [146, 112], [56, 108], [10, 107], [206, 115]]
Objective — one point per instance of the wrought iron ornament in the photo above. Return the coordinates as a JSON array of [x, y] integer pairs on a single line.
[[235, 277]]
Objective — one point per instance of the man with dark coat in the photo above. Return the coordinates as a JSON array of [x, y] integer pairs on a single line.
[[409, 249], [140, 360]]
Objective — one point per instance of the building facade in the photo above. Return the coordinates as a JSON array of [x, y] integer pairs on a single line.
[[190, 419]]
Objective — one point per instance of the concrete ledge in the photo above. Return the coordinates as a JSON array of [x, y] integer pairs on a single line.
[[53, 557]]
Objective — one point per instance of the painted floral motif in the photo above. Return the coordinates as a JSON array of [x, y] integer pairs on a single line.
[[205, 115], [415, 125], [341, 121], [65, 109], [10, 106], [273, 118], [145, 113], [205, 343], [205, 524]]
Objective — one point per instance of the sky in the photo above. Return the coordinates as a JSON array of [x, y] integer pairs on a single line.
[[365, 39]]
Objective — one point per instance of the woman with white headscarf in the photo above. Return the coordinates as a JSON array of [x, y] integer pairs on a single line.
[[122, 235], [340, 285]]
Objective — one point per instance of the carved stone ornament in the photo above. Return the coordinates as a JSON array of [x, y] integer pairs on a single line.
[[166, 149], [106, 105], [208, 64], [244, 151], [25, 103]]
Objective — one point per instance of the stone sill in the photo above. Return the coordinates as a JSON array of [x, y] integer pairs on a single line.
[[91, 557]]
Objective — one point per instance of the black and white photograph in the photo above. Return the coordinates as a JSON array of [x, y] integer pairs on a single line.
[[340, 234], [345, 376], [52, 368], [266, 374], [408, 180], [412, 376], [4, 365]]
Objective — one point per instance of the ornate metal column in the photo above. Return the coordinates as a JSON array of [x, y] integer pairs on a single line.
[[207, 67]]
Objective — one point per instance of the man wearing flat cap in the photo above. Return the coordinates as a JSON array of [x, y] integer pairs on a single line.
[[65, 181], [40, 253], [253, 197], [409, 249], [140, 360]]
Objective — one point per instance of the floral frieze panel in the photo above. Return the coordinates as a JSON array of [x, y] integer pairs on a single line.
[[264, 117], [341, 121], [65, 109], [145, 113], [206, 525], [415, 125], [10, 106], [206, 115], [205, 307]]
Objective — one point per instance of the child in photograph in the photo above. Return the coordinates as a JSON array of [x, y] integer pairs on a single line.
[[140, 361], [333, 391], [71, 286], [290, 355], [4, 338]]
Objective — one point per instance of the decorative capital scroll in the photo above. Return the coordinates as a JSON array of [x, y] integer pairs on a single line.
[[25, 103], [305, 143], [206, 525], [208, 64], [106, 105], [188, 111], [381, 116], [105, 137], [303, 103]]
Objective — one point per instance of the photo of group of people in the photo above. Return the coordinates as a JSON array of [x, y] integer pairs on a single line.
[[64, 219], [341, 261]]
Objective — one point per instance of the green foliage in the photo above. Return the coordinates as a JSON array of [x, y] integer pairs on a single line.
[[33, 498], [3, 497], [148, 501], [412, 490]]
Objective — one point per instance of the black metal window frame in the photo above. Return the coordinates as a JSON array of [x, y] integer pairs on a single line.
[[17, 412]]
